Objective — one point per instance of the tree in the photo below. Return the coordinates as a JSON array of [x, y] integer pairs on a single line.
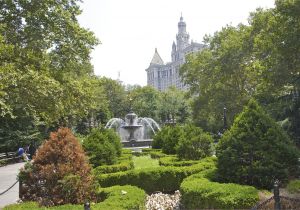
[[256, 151], [145, 101], [194, 144], [59, 173], [173, 106], [102, 146], [219, 76], [116, 95]]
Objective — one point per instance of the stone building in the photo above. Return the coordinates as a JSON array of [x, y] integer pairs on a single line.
[[160, 75]]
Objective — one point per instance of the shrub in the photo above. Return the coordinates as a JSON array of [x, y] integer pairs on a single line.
[[165, 179], [60, 172], [198, 192], [294, 186], [103, 146], [256, 151], [167, 139], [174, 161], [131, 198], [195, 144], [125, 163]]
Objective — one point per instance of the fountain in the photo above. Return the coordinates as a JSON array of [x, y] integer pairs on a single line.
[[134, 131]]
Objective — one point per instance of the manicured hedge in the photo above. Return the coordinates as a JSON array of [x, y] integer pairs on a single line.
[[125, 163], [198, 192], [165, 179], [172, 160], [134, 198], [294, 186]]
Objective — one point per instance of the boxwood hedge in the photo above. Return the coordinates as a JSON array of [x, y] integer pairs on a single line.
[[116, 197], [165, 179], [199, 192], [172, 160]]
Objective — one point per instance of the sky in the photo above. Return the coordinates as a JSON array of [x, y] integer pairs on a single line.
[[130, 30]]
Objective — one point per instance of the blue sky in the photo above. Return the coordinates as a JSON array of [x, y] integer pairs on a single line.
[[130, 30]]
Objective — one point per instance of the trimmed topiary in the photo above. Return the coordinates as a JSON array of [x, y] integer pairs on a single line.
[[59, 173], [103, 146], [115, 198], [199, 192], [195, 144], [256, 151]]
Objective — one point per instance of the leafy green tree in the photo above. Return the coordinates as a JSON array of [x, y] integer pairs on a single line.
[[145, 101], [103, 146], [256, 150], [173, 106], [220, 77], [117, 97], [194, 144]]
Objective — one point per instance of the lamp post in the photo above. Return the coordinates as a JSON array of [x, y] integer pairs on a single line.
[[225, 120]]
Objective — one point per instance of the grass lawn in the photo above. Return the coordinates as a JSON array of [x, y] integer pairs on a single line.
[[144, 162]]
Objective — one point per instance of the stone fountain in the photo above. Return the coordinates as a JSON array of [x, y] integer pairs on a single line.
[[134, 131]]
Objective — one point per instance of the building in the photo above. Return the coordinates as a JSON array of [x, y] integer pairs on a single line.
[[160, 75]]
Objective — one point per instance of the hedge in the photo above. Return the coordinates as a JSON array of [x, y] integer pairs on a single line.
[[198, 192], [165, 179], [172, 160], [134, 198], [125, 163]]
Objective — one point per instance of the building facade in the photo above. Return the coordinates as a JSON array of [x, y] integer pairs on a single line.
[[160, 75]]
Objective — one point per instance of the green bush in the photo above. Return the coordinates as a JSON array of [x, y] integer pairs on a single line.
[[194, 144], [113, 198], [165, 179], [157, 154], [174, 161], [256, 151], [198, 192], [125, 163], [294, 186], [167, 139], [103, 146]]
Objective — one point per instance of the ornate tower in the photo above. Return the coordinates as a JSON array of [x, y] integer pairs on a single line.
[[182, 37], [173, 54]]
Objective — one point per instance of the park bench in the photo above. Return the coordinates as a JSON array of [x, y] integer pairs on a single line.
[[8, 157]]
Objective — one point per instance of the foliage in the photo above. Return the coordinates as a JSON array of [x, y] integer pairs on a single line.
[[199, 192], [165, 179], [195, 144], [103, 146], [59, 173], [144, 162], [256, 60], [174, 161], [145, 101], [112, 196], [256, 151], [124, 163], [116, 95], [173, 106], [294, 186], [170, 141]]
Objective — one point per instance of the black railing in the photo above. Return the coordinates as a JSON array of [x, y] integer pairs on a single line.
[[278, 202]]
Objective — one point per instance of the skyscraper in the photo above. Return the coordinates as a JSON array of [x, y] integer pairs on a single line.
[[160, 75]]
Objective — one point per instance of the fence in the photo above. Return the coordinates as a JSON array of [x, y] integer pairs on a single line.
[[278, 202]]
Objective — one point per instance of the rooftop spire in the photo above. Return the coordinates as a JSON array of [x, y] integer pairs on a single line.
[[156, 59]]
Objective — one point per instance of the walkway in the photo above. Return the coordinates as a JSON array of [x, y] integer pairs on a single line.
[[8, 176]]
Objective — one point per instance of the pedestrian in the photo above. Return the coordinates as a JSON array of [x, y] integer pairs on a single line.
[[21, 153]]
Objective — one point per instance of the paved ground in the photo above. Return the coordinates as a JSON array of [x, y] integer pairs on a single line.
[[8, 176]]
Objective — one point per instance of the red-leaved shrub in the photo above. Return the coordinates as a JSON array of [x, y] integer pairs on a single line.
[[60, 172]]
